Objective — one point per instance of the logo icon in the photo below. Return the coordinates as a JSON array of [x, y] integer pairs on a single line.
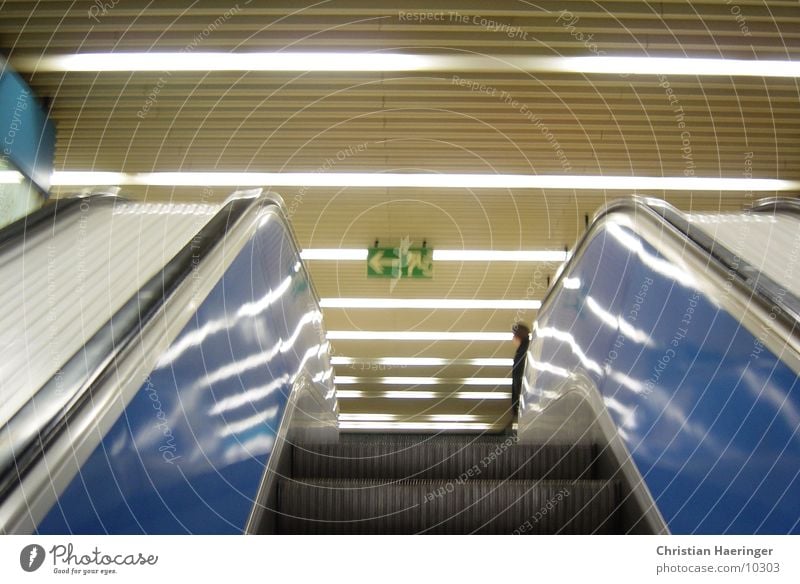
[[31, 557]]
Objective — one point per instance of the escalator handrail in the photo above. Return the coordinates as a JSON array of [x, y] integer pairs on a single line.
[[777, 204], [760, 288], [28, 436], [278, 201], [759, 283]]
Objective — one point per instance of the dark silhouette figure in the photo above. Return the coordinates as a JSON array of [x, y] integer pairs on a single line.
[[521, 342]]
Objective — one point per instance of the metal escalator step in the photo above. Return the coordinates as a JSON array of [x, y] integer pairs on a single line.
[[443, 459], [368, 506], [406, 437]]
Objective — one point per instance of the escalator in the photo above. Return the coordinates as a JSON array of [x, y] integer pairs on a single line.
[[451, 484], [194, 392], [198, 398], [158, 358], [641, 411]]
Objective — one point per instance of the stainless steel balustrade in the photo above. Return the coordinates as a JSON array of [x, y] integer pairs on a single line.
[[43, 441]]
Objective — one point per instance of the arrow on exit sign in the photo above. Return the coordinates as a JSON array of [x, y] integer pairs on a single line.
[[394, 262]]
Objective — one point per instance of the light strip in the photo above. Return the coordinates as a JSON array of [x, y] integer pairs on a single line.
[[446, 255], [430, 303], [487, 255], [391, 417], [487, 362], [414, 394], [10, 177], [497, 395], [683, 66], [414, 426], [91, 178], [385, 61], [421, 180], [219, 61], [351, 380], [422, 361], [417, 336], [334, 254]]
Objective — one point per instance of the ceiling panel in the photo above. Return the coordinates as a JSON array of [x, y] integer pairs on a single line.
[[763, 29]]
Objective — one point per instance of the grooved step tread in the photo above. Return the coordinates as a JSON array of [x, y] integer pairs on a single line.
[[406, 437], [372, 506], [443, 459]]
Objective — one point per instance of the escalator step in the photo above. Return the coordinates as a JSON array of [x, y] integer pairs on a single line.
[[443, 459], [368, 506], [405, 438]]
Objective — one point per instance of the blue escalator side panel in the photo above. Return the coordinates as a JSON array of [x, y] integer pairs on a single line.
[[709, 415], [189, 451]]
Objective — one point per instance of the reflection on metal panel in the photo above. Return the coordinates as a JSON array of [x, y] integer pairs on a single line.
[[189, 452], [64, 282], [708, 414]]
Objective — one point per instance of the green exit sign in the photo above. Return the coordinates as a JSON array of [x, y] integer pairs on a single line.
[[396, 262]]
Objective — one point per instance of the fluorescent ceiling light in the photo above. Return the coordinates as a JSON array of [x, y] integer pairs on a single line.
[[446, 255], [421, 180], [221, 61], [418, 336], [496, 395], [432, 426], [682, 66], [487, 362], [415, 394], [430, 303], [387, 61], [334, 254], [391, 417], [10, 177], [90, 178], [422, 361], [358, 394], [375, 417], [487, 255], [352, 380]]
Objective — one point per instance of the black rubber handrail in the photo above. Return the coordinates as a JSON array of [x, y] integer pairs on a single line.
[[28, 434]]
